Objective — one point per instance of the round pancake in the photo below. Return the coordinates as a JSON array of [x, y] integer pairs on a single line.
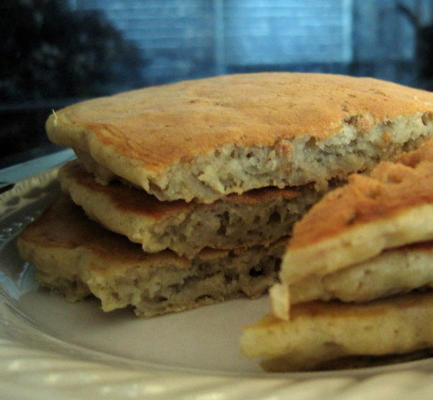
[[259, 216], [77, 257], [318, 332], [207, 138], [392, 272]]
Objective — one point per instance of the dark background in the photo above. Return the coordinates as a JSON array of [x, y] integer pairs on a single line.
[[56, 52]]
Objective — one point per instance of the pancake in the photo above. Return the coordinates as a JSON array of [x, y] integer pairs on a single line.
[[390, 208], [319, 332], [392, 272], [258, 217], [77, 257], [207, 138]]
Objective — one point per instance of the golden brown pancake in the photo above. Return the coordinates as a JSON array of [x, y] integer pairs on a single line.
[[319, 332], [391, 208], [258, 217], [205, 139], [394, 271], [77, 257]]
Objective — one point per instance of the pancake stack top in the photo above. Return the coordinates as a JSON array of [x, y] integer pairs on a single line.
[[207, 177], [208, 138]]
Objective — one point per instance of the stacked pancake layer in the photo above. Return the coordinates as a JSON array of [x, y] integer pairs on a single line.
[[78, 257], [356, 276], [202, 181], [258, 217]]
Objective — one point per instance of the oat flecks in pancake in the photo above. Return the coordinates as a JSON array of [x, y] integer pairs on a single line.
[[77, 257], [390, 208], [394, 271], [207, 138], [258, 217], [322, 331]]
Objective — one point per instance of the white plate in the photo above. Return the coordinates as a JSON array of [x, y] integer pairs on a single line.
[[52, 349]]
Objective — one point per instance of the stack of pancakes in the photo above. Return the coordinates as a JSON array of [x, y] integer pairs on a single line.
[[357, 275], [185, 194]]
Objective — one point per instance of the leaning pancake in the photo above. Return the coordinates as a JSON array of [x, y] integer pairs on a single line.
[[77, 257], [205, 139], [394, 271], [318, 332], [257, 217], [390, 208]]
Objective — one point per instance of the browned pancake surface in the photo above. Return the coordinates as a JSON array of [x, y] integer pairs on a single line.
[[64, 225], [392, 188], [77, 257], [258, 217], [130, 199], [159, 126], [318, 332]]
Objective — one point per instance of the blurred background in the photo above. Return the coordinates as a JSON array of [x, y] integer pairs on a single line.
[[56, 52]]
